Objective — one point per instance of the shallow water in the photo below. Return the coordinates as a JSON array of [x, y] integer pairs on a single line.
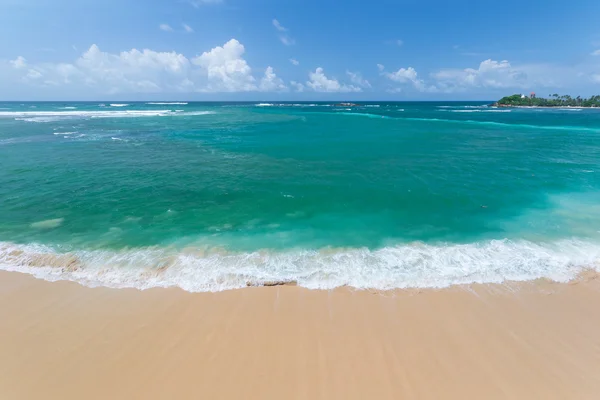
[[210, 196]]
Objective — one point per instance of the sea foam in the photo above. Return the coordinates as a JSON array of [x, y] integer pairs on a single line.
[[51, 116], [415, 265]]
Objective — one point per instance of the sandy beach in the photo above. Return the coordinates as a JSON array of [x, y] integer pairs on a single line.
[[536, 340]]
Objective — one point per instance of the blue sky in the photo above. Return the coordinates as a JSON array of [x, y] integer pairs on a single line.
[[267, 49]]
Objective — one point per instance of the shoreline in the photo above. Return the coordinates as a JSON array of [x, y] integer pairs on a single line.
[[558, 107], [520, 340]]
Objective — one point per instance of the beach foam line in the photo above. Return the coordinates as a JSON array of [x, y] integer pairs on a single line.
[[119, 105], [414, 265]]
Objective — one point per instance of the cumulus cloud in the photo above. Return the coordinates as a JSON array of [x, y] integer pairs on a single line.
[[319, 82], [403, 75], [227, 70], [19, 62], [165, 27], [271, 83], [596, 53], [297, 86], [222, 69], [380, 67], [489, 74], [284, 37], [407, 76], [357, 79], [294, 61], [187, 28]]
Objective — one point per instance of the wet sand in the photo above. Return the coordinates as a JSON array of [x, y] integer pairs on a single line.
[[536, 340]]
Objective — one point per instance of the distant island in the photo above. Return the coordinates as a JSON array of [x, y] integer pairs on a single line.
[[555, 100]]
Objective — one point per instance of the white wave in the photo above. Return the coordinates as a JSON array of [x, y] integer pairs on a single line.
[[460, 106], [306, 105], [368, 115], [403, 266], [65, 133], [486, 111], [50, 116], [39, 119], [68, 108], [119, 105], [264, 105], [191, 113], [48, 224], [116, 138], [168, 103]]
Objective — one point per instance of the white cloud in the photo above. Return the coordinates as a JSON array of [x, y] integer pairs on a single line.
[[380, 67], [298, 86], [222, 69], [271, 83], [596, 78], [319, 82], [596, 52], [294, 61], [408, 76], [187, 28], [357, 79], [19, 62], [128, 71], [278, 26], [199, 3], [165, 27], [403, 75], [399, 42], [288, 41], [227, 70], [489, 74], [283, 36]]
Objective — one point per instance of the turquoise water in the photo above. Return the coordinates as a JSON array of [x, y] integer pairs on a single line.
[[211, 196]]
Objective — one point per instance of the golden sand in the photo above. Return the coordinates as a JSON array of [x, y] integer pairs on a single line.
[[536, 340]]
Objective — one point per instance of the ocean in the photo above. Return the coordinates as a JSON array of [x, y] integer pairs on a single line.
[[215, 196]]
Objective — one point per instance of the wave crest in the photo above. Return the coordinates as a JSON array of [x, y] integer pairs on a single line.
[[415, 265]]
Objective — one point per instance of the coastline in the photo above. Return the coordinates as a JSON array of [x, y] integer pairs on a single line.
[[537, 339], [556, 107]]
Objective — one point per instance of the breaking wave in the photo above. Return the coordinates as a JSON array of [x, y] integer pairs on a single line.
[[167, 103], [50, 116], [415, 265]]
